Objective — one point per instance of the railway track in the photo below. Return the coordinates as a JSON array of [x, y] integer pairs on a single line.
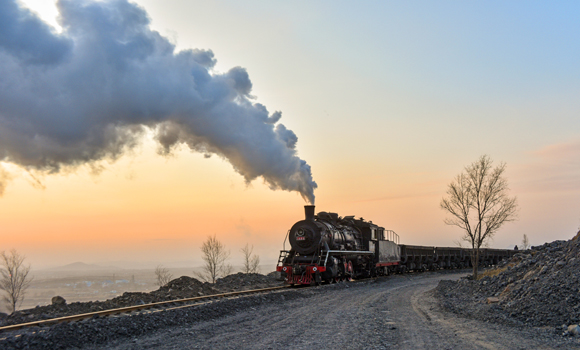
[[148, 308], [152, 307]]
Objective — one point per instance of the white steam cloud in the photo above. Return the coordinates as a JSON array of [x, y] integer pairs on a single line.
[[91, 92]]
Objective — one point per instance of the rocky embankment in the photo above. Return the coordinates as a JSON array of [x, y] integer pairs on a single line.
[[538, 287], [242, 281], [180, 288]]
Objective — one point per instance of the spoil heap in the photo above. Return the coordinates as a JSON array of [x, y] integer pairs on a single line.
[[245, 281], [179, 288], [538, 287], [185, 287]]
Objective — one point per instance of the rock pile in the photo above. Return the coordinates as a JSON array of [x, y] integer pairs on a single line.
[[185, 287], [180, 288], [58, 300], [245, 281], [538, 287]]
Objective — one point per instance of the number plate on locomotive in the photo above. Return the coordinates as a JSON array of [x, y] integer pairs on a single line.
[[300, 238]]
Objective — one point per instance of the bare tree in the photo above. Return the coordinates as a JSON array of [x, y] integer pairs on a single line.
[[479, 204], [227, 269], [525, 242], [163, 275], [251, 261], [215, 257], [14, 279]]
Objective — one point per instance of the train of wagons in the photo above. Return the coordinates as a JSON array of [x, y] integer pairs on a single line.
[[328, 248]]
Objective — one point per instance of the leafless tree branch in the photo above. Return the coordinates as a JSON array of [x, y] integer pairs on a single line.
[[14, 279], [478, 202], [163, 275], [251, 261], [215, 256], [525, 242]]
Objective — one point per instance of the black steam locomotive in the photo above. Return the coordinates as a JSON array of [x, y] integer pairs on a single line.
[[329, 248]]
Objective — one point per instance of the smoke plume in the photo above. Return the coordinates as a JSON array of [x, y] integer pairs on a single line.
[[91, 92]]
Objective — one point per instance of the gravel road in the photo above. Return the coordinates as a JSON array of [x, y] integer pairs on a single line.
[[398, 312]]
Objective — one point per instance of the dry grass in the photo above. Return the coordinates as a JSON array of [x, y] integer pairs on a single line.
[[529, 274], [577, 236], [491, 272], [506, 291]]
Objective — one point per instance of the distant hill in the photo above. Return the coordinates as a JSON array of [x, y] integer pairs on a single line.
[[81, 266]]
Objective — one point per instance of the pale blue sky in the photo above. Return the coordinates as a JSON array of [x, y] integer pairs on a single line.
[[409, 90], [465, 64]]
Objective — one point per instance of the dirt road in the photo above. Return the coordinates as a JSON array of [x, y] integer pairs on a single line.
[[397, 312]]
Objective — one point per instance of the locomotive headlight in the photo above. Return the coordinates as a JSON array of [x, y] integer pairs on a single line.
[[300, 232], [314, 269]]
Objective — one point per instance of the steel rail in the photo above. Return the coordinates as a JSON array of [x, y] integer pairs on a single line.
[[133, 308]]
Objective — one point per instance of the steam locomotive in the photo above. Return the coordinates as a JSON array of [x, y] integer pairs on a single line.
[[328, 248]]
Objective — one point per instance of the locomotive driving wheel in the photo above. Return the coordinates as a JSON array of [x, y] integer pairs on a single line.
[[318, 279]]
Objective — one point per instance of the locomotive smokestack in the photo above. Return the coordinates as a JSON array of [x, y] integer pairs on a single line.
[[309, 212]]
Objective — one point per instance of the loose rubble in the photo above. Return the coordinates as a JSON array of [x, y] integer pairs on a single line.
[[99, 331], [58, 300], [538, 287], [179, 288], [245, 281], [574, 329]]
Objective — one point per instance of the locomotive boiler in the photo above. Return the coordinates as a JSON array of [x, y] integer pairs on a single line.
[[328, 248]]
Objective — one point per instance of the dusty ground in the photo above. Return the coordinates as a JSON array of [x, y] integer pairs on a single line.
[[398, 312]]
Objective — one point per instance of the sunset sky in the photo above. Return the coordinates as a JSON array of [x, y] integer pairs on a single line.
[[389, 101]]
